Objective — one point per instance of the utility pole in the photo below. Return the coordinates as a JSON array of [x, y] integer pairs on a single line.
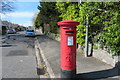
[[86, 38]]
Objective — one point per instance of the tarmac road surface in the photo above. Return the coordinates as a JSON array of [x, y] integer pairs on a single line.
[[18, 57]]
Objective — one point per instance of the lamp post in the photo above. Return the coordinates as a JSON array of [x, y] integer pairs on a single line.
[[86, 38], [87, 30]]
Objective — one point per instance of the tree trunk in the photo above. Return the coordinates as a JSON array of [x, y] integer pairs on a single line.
[[42, 29], [91, 49]]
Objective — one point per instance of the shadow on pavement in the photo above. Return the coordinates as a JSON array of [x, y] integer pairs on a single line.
[[37, 35], [20, 79], [101, 74], [43, 38], [17, 53], [7, 45]]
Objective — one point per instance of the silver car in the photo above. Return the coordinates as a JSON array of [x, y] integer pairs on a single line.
[[29, 32]]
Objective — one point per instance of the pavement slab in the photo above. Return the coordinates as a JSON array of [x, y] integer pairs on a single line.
[[87, 68]]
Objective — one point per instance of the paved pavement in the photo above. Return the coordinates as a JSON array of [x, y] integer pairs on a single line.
[[18, 58], [87, 68], [0, 57]]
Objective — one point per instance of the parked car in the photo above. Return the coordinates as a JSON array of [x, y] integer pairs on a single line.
[[11, 31], [30, 32]]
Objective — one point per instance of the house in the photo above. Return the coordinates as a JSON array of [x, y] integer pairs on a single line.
[[4, 27]]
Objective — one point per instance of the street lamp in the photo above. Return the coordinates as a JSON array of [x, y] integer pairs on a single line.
[[87, 30], [86, 38]]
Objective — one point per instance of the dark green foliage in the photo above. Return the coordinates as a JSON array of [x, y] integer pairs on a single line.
[[48, 15], [37, 23], [111, 33], [103, 18]]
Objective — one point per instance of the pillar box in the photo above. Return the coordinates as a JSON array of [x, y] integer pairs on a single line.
[[68, 48]]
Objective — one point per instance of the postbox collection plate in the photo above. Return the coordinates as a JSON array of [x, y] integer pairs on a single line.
[[70, 40]]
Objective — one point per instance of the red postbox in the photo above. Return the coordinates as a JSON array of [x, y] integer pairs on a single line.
[[68, 48]]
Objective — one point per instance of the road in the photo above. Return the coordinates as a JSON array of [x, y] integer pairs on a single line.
[[18, 57]]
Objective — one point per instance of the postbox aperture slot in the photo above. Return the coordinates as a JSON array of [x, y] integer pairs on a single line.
[[69, 31]]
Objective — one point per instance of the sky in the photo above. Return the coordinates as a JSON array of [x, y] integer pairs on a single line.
[[23, 13]]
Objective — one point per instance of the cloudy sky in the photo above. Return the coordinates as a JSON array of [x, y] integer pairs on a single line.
[[24, 12]]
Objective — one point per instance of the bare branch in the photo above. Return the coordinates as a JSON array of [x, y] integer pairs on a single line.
[[6, 7]]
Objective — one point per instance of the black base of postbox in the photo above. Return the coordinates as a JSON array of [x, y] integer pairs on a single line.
[[68, 74]]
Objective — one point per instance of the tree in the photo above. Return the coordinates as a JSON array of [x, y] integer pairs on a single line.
[[49, 15], [111, 21], [79, 12], [37, 21], [6, 6], [70, 11], [103, 19]]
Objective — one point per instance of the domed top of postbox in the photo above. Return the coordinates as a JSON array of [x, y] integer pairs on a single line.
[[68, 23]]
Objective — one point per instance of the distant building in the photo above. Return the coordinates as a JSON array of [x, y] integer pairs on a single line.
[[8, 25], [4, 27]]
